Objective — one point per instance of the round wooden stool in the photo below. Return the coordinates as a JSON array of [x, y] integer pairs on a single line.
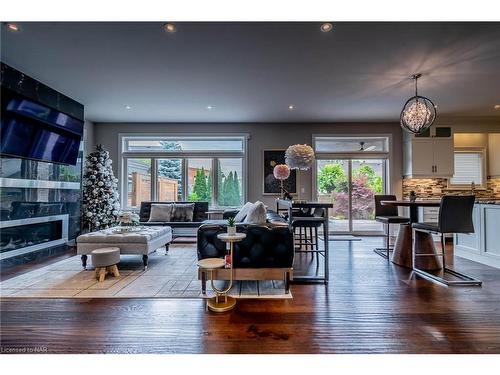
[[105, 261]]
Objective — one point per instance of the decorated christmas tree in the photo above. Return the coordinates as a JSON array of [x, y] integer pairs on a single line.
[[101, 205]]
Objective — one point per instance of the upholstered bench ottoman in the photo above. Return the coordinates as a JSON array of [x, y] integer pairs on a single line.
[[141, 242]]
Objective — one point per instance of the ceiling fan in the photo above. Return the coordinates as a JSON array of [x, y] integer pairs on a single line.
[[362, 147]]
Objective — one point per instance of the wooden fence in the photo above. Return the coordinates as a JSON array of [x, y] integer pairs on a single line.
[[167, 189]]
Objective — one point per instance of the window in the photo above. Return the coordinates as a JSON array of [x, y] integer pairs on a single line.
[[169, 181], [229, 176], [200, 181], [184, 168], [138, 181], [469, 167], [183, 144], [351, 144]]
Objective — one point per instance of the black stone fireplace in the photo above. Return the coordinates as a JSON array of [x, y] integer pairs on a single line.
[[23, 236], [40, 201]]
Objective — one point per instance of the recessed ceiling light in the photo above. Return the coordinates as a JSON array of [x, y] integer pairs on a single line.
[[128, 107], [13, 27], [497, 106], [170, 27], [291, 107], [326, 27], [209, 107]]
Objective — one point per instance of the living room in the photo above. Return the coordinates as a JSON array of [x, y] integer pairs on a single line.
[[319, 185]]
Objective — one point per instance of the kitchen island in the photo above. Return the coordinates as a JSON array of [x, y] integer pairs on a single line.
[[483, 245]]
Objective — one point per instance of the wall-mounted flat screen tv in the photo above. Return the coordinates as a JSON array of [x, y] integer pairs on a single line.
[[34, 131]]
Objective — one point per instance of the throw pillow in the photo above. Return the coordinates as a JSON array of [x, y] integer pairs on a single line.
[[183, 212], [257, 214], [161, 212], [243, 212]]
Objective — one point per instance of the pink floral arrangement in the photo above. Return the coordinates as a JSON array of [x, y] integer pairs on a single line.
[[281, 172]]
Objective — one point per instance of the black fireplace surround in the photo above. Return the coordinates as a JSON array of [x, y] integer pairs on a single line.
[[40, 202]]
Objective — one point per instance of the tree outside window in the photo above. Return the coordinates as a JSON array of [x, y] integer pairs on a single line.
[[333, 181]]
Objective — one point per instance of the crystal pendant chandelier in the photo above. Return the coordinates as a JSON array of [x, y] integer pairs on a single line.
[[418, 113]]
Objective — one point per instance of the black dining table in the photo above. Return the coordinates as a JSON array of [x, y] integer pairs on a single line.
[[402, 254], [292, 207]]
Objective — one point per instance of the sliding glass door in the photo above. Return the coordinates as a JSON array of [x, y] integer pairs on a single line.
[[350, 171], [333, 187], [368, 179], [351, 184]]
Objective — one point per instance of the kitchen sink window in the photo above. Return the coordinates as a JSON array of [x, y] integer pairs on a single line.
[[470, 168]]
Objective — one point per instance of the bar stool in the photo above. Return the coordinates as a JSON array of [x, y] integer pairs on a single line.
[[308, 232], [455, 216], [387, 215]]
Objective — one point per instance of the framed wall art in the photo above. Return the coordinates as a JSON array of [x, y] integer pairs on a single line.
[[272, 186]]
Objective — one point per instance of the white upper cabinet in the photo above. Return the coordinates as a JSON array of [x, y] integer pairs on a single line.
[[494, 154], [422, 157], [444, 157], [429, 156]]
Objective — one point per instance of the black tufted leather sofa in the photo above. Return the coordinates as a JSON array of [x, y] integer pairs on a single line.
[[265, 254]]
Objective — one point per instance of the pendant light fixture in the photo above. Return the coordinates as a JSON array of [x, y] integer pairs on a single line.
[[418, 113]]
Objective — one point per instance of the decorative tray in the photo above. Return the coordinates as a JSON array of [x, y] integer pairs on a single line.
[[127, 229]]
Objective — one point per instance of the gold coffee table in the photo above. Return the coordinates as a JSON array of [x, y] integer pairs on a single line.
[[221, 302]]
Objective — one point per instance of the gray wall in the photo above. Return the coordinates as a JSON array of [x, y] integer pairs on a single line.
[[88, 137], [262, 137]]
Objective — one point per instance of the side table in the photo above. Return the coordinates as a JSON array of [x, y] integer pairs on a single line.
[[221, 302]]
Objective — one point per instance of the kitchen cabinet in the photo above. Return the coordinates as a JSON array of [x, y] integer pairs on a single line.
[[483, 245], [471, 242], [491, 234], [431, 157], [494, 154]]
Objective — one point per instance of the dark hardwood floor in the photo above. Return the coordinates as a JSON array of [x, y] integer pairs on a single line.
[[7, 273], [369, 306]]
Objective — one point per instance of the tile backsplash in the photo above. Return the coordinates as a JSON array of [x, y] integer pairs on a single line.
[[429, 188]]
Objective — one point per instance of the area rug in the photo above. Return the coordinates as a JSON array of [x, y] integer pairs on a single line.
[[168, 275]]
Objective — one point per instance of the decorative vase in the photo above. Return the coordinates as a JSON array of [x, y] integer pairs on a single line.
[[231, 231], [413, 196]]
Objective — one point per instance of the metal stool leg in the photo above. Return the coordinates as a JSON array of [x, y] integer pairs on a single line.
[[464, 280], [316, 242], [301, 237], [310, 240], [388, 239], [384, 252], [443, 250]]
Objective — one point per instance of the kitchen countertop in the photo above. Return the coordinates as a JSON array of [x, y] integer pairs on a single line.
[[487, 201], [478, 200]]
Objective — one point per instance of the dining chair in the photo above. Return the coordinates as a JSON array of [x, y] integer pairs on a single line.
[[455, 216], [387, 215]]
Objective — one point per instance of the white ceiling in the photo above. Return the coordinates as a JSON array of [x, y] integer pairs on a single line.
[[251, 72]]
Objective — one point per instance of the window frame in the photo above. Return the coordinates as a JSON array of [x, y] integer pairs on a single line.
[[126, 138], [470, 150], [386, 138], [124, 155]]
